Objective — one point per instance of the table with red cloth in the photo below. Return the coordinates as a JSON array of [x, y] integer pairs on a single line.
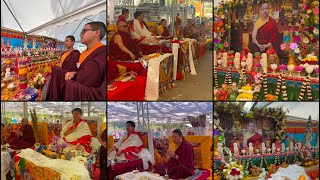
[[133, 66], [124, 167], [159, 77], [150, 49], [312, 171], [130, 90], [200, 174]]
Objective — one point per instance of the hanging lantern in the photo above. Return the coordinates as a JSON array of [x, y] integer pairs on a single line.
[[181, 1]]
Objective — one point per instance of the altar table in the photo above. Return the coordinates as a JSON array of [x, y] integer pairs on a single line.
[[138, 175], [5, 164], [130, 90], [293, 83], [30, 164], [124, 167]]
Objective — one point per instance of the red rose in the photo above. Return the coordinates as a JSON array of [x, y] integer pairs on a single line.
[[234, 172], [314, 40], [311, 28], [307, 7]]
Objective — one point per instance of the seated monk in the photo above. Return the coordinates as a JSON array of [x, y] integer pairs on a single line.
[[22, 137], [130, 147], [122, 46], [179, 162], [162, 29], [77, 135], [139, 31], [252, 136], [70, 58], [265, 32], [103, 155], [5, 133], [89, 81], [124, 15]]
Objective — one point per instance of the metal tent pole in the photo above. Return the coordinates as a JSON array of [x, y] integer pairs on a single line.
[[14, 16], [148, 116], [25, 110], [3, 112], [89, 108]]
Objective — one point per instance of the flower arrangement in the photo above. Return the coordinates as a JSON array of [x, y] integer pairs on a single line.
[[38, 81], [245, 93], [222, 26], [284, 165], [303, 39], [255, 171], [233, 171], [310, 59], [272, 168], [226, 92], [56, 147]]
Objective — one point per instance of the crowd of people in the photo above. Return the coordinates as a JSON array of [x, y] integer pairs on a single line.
[[132, 35]]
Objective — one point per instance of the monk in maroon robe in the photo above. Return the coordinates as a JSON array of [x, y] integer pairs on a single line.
[[124, 15], [23, 137], [162, 29], [70, 58], [103, 156], [122, 46], [180, 163], [252, 136], [89, 82], [265, 32]]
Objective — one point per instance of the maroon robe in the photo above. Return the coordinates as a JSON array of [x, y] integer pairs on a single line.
[[70, 63], [184, 166], [267, 33], [181, 168], [121, 18], [22, 142], [90, 82], [256, 140], [103, 157], [117, 54], [165, 32]]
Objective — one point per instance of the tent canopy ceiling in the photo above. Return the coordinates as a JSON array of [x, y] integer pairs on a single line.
[[159, 112], [53, 108], [42, 17], [296, 109]]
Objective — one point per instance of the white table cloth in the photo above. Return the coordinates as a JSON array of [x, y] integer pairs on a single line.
[[5, 164], [175, 52], [138, 176], [67, 169], [152, 85]]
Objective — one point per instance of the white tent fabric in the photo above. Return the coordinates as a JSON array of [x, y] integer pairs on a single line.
[[52, 18], [159, 111], [296, 109], [53, 108]]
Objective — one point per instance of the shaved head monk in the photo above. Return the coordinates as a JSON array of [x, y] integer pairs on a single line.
[[89, 81], [122, 46], [69, 59], [139, 31], [265, 31], [124, 15], [22, 137]]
